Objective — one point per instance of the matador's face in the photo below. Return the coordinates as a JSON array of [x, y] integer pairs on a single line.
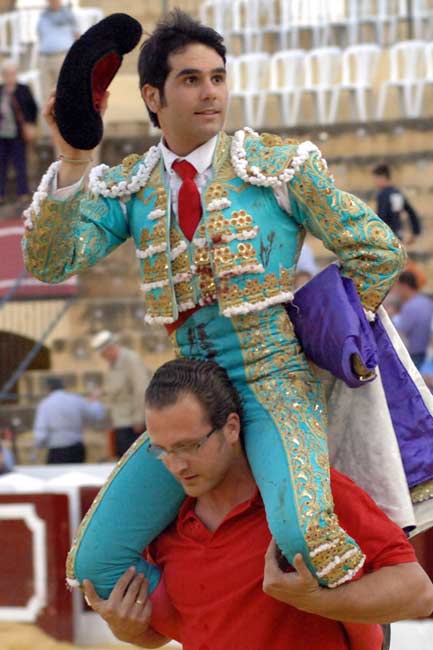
[[193, 107]]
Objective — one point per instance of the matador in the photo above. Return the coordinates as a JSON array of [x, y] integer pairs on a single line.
[[220, 293]]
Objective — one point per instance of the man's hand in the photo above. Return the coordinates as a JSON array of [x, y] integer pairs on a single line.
[[299, 589], [128, 609], [61, 145]]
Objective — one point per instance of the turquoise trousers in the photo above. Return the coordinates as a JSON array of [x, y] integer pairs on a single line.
[[284, 427]]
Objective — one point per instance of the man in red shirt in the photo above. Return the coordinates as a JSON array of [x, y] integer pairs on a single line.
[[224, 584]]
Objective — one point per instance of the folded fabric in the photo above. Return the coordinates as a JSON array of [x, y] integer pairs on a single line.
[[332, 327], [410, 402]]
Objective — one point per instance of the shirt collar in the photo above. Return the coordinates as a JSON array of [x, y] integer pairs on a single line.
[[187, 510], [201, 157]]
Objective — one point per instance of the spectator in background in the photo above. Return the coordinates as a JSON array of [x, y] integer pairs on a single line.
[[57, 29], [427, 367], [391, 203], [125, 384], [18, 113], [7, 460], [414, 319], [427, 373], [60, 420]]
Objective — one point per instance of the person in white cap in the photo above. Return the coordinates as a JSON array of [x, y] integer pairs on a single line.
[[126, 381]]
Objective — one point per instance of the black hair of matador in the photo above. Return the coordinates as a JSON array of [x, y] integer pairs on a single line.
[[87, 71]]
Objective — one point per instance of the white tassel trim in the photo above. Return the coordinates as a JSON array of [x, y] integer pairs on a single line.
[[339, 560], [156, 214], [241, 270], [72, 582], [371, 316], [148, 286], [182, 277], [160, 320], [256, 177], [349, 575], [323, 547], [40, 195], [199, 242], [178, 250], [184, 306], [123, 188], [241, 236], [247, 307], [208, 300], [151, 250], [218, 204]]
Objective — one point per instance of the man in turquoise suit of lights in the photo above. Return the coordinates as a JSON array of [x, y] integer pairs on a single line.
[[220, 292]]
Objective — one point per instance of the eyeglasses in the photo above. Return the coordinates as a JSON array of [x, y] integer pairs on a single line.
[[189, 449]]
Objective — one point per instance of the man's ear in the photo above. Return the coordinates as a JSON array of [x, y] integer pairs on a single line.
[[232, 427], [151, 97]]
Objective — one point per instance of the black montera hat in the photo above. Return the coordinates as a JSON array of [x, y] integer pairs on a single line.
[[86, 73]]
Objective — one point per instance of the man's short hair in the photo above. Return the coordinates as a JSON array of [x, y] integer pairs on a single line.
[[382, 170], [54, 383], [206, 380], [409, 279], [173, 33]]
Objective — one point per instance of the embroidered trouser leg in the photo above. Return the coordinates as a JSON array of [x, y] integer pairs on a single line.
[[285, 428], [285, 439], [137, 502]]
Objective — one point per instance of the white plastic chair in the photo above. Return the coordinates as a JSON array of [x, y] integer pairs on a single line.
[[41, 4], [10, 41], [382, 17], [359, 64], [422, 12], [250, 78], [428, 80], [407, 76], [271, 20], [214, 14], [303, 16], [287, 69], [28, 19], [245, 24], [322, 74]]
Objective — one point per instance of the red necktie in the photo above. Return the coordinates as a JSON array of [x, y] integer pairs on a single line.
[[189, 204]]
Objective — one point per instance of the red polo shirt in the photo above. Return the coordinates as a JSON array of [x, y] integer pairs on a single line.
[[214, 579]]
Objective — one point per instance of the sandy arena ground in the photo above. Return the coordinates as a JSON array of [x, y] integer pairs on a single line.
[[414, 635], [22, 636]]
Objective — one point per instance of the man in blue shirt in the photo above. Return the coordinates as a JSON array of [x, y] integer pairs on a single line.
[[414, 319], [57, 29], [391, 203], [60, 420]]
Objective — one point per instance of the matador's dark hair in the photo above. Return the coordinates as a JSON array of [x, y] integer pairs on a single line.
[[206, 380], [173, 33]]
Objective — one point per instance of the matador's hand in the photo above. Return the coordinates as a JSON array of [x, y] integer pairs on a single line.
[[60, 143]]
